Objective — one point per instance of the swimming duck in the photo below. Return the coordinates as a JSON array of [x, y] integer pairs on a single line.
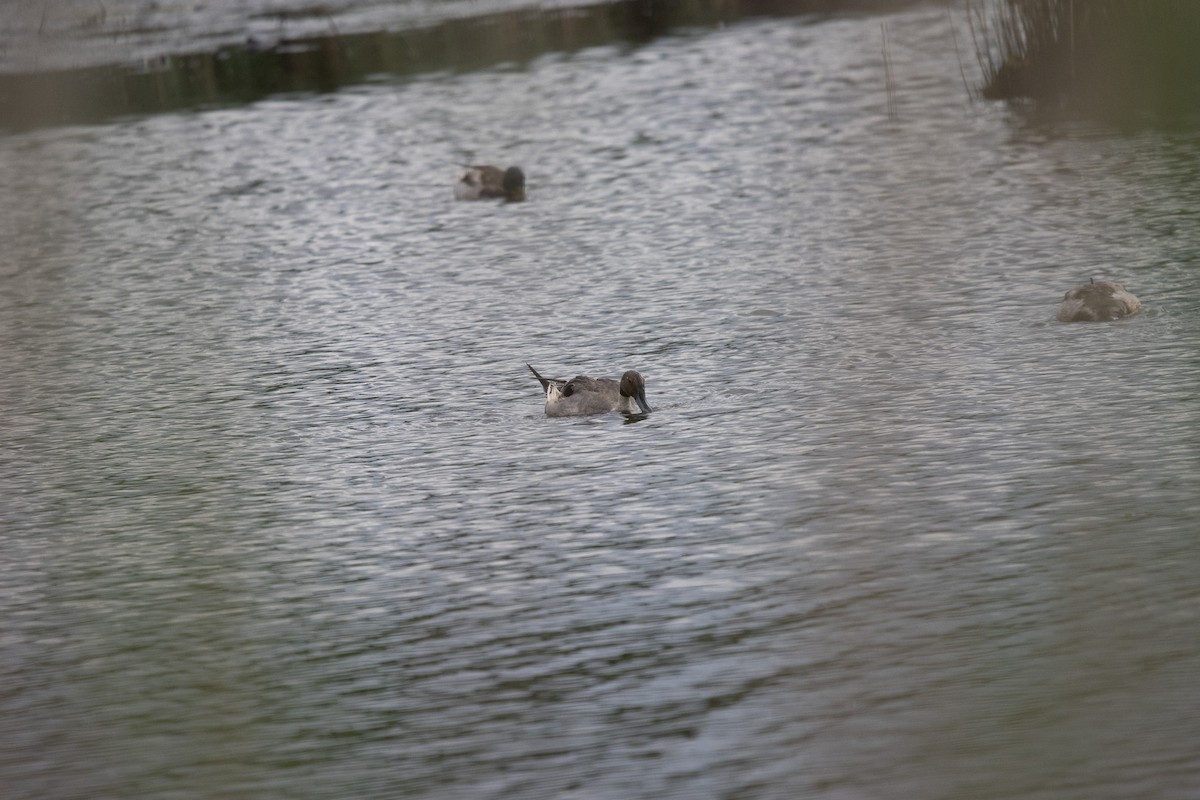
[[484, 180], [583, 395], [1097, 301]]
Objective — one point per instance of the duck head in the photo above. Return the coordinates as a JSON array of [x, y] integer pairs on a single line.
[[633, 391], [513, 185]]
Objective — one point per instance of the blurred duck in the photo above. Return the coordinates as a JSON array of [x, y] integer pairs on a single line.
[[484, 180], [1097, 301], [583, 395]]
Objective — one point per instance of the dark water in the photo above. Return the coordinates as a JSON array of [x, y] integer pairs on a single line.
[[283, 517]]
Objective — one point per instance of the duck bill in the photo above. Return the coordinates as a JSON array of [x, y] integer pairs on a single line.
[[640, 399]]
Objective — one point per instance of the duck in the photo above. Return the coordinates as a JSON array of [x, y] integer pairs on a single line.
[[1097, 301], [484, 181], [583, 395]]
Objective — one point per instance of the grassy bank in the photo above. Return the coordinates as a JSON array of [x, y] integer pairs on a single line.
[[253, 69], [1109, 55]]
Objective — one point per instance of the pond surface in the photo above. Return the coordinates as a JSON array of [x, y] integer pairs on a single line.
[[283, 516]]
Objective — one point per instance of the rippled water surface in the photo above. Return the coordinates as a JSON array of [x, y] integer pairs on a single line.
[[282, 515]]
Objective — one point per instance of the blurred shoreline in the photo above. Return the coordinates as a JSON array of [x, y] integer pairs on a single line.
[[81, 62]]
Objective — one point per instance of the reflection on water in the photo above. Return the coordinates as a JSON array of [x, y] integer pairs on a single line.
[[284, 517]]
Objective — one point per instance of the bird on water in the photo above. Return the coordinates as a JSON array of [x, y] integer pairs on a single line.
[[1097, 301], [483, 181], [585, 395]]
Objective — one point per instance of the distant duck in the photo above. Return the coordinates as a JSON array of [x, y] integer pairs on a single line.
[[583, 395], [1097, 301], [484, 180]]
